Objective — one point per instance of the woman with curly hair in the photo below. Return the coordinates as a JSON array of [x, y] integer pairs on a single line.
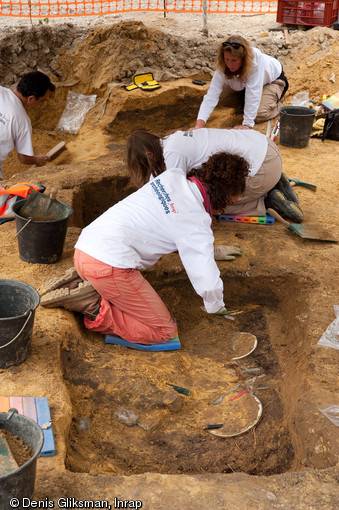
[[148, 155], [172, 212], [240, 67]]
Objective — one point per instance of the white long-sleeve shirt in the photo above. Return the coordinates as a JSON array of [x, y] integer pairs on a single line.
[[15, 127], [266, 69], [189, 149], [165, 215]]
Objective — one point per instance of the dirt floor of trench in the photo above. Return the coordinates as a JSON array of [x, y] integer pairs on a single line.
[[283, 287], [100, 384]]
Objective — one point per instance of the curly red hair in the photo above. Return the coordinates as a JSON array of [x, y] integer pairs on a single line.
[[225, 174]]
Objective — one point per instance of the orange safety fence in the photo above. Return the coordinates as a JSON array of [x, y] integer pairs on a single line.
[[66, 8]]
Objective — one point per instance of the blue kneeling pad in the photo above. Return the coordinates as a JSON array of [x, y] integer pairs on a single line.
[[171, 345]]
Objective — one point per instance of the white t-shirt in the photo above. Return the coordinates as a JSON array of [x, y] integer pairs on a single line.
[[265, 70], [15, 127], [165, 215], [189, 149]]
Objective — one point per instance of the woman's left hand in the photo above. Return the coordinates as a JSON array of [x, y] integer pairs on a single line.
[[241, 127], [226, 252]]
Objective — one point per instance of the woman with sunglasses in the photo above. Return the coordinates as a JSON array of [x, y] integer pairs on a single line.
[[240, 67]]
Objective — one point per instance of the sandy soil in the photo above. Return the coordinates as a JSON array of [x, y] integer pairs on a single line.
[[283, 287]]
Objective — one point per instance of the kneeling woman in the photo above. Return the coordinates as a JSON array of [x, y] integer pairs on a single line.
[[240, 67], [171, 213], [147, 155]]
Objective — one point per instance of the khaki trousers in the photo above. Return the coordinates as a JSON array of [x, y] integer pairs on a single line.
[[269, 103], [252, 201]]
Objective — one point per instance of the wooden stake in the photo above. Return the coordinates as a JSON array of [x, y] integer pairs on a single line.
[[287, 36]]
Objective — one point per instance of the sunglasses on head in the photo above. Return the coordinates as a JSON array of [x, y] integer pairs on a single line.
[[234, 45]]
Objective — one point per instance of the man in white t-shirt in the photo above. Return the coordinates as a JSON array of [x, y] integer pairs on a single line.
[[32, 90]]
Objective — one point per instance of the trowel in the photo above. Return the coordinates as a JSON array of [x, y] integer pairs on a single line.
[[311, 232], [129, 418], [7, 461], [39, 207], [296, 182]]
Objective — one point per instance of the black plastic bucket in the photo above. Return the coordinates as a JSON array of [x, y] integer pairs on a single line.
[[18, 302], [296, 125], [20, 483], [41, 242]]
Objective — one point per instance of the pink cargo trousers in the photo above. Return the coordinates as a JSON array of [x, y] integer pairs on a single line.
[[130, 307]]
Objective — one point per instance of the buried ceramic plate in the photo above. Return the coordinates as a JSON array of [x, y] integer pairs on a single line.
[[237, 416], [243, 344]]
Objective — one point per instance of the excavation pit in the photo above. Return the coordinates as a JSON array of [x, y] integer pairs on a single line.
[[162, 114], [102, 378], [91, 199]]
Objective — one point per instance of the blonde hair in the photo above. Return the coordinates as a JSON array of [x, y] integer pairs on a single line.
[[245, 52]]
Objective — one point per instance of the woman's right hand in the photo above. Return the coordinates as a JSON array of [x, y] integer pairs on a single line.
[[221, 311], [199, 124]]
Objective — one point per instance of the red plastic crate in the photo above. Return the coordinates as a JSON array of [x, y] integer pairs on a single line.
[[310, 12]]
